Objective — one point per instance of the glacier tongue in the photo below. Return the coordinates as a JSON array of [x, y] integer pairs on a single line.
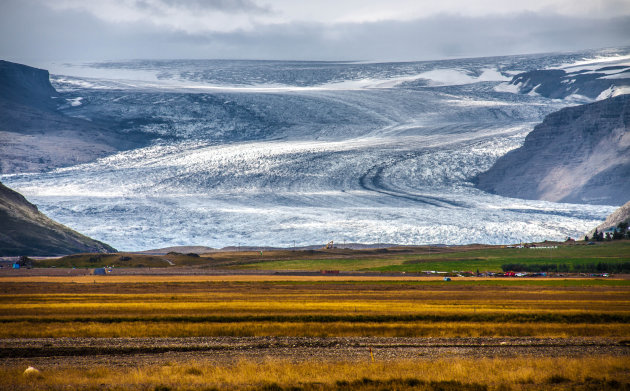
[[270, 166]]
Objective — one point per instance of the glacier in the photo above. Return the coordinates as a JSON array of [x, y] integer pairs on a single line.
[[277, 153]]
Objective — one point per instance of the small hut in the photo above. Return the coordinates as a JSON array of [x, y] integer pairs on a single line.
[[99, 271]]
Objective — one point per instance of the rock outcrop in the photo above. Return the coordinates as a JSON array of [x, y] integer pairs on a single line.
[[24, 230], [579, 154], [599, 83], [26, 85]]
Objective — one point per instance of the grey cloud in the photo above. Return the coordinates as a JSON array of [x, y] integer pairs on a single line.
[[31, 32], [443, 36], [227, 6]]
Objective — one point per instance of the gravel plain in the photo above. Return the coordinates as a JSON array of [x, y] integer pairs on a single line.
[[54, 352]]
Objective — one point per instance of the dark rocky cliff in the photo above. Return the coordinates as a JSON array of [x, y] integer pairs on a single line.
[[24, 230], [22, 84], [579, 154]]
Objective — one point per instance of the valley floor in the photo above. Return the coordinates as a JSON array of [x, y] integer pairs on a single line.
[[297, 333], [270, 363], [316, 363]]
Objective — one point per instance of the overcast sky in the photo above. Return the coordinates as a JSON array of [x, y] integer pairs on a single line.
[[376, 30]]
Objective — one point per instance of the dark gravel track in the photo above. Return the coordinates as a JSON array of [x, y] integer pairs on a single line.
[[47, 353]]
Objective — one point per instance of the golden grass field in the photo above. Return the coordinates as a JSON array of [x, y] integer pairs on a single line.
[[187, 306], [444, 374], [97, 307]]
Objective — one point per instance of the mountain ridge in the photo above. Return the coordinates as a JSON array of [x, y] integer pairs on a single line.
[[597, 83], [24, 230], [620, 215], [579, 154], [36, 136]]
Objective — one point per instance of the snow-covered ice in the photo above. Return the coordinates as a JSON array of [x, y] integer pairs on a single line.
[[268, 153]]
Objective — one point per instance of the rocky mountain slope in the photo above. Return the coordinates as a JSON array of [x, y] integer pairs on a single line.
[[621, 215], [579, 154], [593, 82], [24, 230], [36, 136]]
